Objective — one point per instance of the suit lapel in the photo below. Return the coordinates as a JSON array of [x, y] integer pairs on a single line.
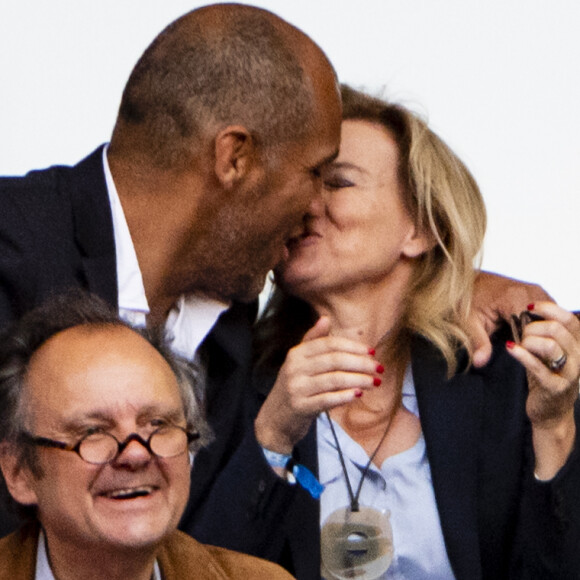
[[451, 414], [226, 356], [93, 225]]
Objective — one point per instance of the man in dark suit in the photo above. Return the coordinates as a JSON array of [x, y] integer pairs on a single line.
[[223, 127]]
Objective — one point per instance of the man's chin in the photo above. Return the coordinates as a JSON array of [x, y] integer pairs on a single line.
[[252, 289], [135, 538]]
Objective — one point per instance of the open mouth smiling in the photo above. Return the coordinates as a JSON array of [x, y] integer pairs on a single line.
[[129, 492]]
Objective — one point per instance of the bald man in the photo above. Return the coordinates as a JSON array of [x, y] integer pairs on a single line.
[[223, 127]]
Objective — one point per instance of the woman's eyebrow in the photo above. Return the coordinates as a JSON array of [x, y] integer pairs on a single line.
[[348, 165]]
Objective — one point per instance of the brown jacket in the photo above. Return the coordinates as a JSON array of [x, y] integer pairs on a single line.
[[180, 557]]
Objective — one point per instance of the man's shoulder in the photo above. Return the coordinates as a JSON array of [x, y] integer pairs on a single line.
[[27, 196], [182, 556], [49, 178], [18, 554]]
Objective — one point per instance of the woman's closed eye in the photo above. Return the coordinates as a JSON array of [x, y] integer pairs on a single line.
[[337, 182]]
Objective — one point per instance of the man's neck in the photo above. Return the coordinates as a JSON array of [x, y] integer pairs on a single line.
[[161, 209]]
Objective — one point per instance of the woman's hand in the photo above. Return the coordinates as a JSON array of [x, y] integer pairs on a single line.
[[320, 373], [553, 386]]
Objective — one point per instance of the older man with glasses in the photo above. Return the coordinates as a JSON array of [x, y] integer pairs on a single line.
[[98, 428]]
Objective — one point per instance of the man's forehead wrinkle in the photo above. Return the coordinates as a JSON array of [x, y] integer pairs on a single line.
[[117, 410], [73, 344], [79, 349]]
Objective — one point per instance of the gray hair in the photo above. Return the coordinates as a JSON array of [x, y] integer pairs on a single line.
[[19, 343]]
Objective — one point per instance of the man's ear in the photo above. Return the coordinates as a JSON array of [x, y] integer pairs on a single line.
[[418, 242], [17, 475], [235, 155]]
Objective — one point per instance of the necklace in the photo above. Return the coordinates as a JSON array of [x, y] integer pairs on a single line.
[[354, 497], [357, 542]]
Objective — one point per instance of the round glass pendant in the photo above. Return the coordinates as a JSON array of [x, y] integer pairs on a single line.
[[356, 544]]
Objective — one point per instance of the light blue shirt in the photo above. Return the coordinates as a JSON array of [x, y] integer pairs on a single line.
[[44, 571], [402, 486]]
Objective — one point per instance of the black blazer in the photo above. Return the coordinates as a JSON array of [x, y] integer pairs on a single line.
[[497, 520], [56, 232]]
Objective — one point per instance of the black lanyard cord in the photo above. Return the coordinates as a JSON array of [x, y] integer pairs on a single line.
[[354, 497]]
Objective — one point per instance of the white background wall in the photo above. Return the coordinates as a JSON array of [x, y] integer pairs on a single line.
[[498, 79]]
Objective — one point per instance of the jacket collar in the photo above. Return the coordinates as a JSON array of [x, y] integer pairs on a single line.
[[451, 415], [94, 226], [451, 420]]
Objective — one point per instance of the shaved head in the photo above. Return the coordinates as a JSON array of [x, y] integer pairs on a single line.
[[223, 128], [220, 65]]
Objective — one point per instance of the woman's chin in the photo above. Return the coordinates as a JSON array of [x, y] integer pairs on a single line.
[[297, 280]]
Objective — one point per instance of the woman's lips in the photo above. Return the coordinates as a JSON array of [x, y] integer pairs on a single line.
[[304, 239]]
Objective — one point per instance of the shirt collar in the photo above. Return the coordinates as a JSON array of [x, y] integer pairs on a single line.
[[190, 321], [44, 572], [350, 448], [129, 280]]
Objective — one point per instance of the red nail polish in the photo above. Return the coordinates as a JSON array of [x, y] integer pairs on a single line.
[[372, 351], [531, 306], [380, 369], [358, 394], [510, 344], [377, 381]]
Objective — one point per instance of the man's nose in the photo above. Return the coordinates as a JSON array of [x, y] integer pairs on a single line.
[[317, 204], [133, 454]]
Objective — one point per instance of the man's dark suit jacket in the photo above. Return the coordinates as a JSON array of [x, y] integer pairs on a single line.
[[56, 232], [498, 522]]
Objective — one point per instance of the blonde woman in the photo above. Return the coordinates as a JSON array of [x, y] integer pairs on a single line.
[[431, 469]]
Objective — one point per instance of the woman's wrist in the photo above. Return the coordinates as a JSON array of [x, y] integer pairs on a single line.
[[553, 444], [271, 439]]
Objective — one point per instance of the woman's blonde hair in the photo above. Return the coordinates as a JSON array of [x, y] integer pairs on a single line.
[[444, 200]]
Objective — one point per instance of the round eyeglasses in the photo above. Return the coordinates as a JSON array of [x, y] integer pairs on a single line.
[[102, 447]]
